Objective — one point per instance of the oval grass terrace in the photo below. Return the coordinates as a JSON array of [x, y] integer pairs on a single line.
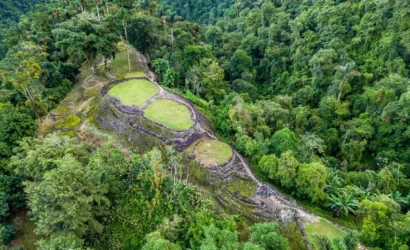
[[169, 113], [212, 152], [134, 92]]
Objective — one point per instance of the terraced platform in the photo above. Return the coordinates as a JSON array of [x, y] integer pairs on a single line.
[[170, 119], [134, 92], [212, 152], [170, 114]]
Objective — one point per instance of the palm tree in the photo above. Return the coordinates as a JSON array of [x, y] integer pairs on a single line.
[[396, 196], [97, 3], [82, 4], [323, 242], [171, 18], [343, 204], [124, 15], [147, 6], [333, 183], [106, 7], [367, 192], [347, 72]]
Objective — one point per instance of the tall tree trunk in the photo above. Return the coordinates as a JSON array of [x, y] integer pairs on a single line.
[[172, 35], [98, 13], [237, 10], [106, 6], [341, 87], [30, 97], [125, 31], [129, 60], [93, 68], [128, 45]]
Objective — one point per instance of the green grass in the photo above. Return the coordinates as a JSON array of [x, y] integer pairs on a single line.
[[137, 73], [170, 114], [122, 47], [212, 152], [323, 228], [70, 133], [134, 92], [244, 186], [61, 109], [70, 121], [93, 92], [120, 63]]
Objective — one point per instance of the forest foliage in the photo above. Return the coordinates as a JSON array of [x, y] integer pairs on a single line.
[[315, 94]]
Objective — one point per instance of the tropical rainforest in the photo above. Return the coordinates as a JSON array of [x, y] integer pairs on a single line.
[[315, 94]]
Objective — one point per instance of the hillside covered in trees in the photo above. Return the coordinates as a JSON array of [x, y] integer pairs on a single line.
[[314, 94], [10, 12]]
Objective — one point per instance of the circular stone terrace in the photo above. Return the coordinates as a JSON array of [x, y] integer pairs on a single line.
[[212, 152], [166, 112], [159, 106], [134, 92]]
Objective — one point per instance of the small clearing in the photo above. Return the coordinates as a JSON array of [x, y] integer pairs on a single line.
[[120, 63], [244, 187], [68, 122], [323, 227], [212, 152], [171, 114], [136, 74], [134, 92]]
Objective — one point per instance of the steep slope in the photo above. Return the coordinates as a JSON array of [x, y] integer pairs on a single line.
[[93, 111]]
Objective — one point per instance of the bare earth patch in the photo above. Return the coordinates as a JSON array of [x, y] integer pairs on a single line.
[[212, 152]]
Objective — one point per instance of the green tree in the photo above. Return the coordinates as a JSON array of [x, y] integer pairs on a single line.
[[386, 182], [239, 63], [266, 235], [268, 164], [61, 241], [347, 72], [343, 203], [156, 242], [23, 72], [287, 169], [145, 33], [84, 39], [311, 180], [313, 144], [124, 16], [15, 124], [323, 242], [7, 233], [283, 140], [216, 238], [251, 246], [171, 18], [194, 54], [35, 156], [207, 79], [379, 217], [69, 198]]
